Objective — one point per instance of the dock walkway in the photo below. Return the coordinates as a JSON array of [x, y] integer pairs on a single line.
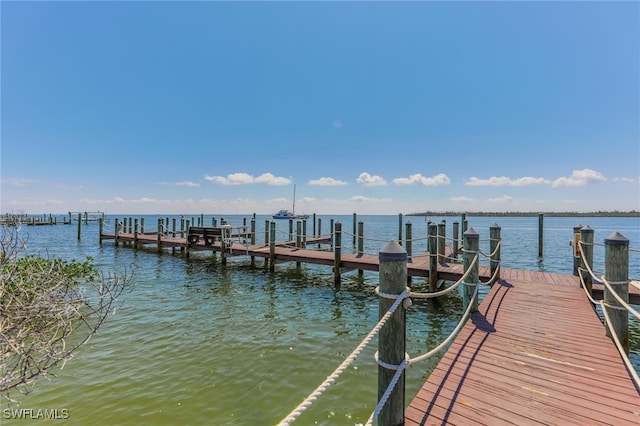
[[534, 353]]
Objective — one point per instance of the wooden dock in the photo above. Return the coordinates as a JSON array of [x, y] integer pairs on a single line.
[[534, 353]]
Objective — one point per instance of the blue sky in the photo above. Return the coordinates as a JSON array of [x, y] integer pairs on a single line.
[[367, 107]]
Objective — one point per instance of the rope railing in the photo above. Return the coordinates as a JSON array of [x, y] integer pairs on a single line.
[[302, 407], [605, 304], [449, 289]]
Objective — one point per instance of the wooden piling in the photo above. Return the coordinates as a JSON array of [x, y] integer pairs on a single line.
[[100, 229], [540, 234], [456, 235], [392, 340], [494, 248], [337, 251], [360, 251], [272, 246], [442, 226], [408, 234], [400, 228], [616, 272], [576, 248], [135, 234], [79, 226], [471, 246], [159, 232], [586, 236], [432, 239], [355, 229]]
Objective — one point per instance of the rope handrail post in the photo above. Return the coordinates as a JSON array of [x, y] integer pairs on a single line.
[[331, 230], [135, 233], [392, 338], [432, 234], [79, 225], [142, 225], [408, 232], [465, 223], [494, 248], [290, 229], [100, 229], [118, 226], [319, 231], [159, 234], [400, 228], [616, 273], [456, 235], [576, 248], [298, 239], [471, 246], [586, 237], [304, 233], [355, 229], [173, 234], [272, 246], [360, 244], [337, 252], [442, 231], [253, 237], [313, 225]]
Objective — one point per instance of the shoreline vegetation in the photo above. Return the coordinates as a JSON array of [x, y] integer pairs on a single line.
[[615, 213]]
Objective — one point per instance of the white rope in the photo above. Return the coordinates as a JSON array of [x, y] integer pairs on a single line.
[[448, 289], [622, 351], [302, 407], [387, 393], [453, 333], [624, 304]]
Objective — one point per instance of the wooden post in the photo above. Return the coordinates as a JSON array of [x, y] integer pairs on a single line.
[[354, 230], [392, 340], [616, 272], [319, 230], [332, 231], [408, 233], [304, 233], [433, 255], [173, 229], [464, 223], [314, 225], [456, 235], [471, 246], [159, 234], [253, 237], [540, 234], [272, 246], [266, 240], [298, 238], [117, 231], [100, 230], [79, 225], [224, 237], [337, 251], [142, 225], [130, 225], [576, 248], [135, 234], [586, 236], [400, 228], [442, 226], [360, 245], [494, 240]]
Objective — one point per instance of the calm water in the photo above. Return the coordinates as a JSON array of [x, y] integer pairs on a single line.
[[197, 342]]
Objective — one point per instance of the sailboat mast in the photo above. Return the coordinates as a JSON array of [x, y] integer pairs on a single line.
[[294, 200]]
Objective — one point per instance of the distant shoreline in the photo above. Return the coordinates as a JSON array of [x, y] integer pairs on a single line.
[[632, 213]]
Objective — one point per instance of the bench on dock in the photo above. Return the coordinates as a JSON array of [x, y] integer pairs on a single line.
[[208, 234]]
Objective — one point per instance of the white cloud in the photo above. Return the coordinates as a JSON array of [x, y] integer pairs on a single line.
[[188, 183], [366, 179], [506, 181], [627, 180], [462, 199], [327, 181], [503, 199], [580, 178], [245, 179], [418, 179], [362, 199]]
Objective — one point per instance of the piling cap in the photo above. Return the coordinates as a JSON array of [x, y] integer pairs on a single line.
[[617, 239], [494, 226], [470, 233], [586, 228], [392, 251]]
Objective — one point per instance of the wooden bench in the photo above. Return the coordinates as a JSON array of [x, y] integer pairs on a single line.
[[208, 234]]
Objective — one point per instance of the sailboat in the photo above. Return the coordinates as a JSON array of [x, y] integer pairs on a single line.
[[290, 214]]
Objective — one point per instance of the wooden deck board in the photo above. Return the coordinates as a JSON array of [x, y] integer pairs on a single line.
[[534, 354]]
